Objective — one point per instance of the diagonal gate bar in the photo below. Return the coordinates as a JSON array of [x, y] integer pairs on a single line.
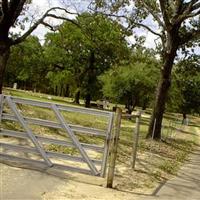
[[28, 131], [74, 139]]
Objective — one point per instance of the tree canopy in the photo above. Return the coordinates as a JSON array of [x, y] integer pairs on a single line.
[[187, 80], [176, 25], [86, 51], [132, 83]]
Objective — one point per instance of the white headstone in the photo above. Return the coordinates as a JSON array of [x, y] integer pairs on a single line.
[[15, 86]]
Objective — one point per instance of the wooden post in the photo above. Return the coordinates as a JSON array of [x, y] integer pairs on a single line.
[[135, 139], [1, 106], [113, 149]]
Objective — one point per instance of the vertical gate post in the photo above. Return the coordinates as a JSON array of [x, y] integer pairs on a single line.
[[135, 139], [106, 145], [1, 106], [113, 149]]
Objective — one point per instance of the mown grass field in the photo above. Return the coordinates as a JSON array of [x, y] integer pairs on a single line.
[[157, 161]]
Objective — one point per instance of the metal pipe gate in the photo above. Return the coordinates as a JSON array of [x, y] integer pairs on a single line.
[[38, 142]]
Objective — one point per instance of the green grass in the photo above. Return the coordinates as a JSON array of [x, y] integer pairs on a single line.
[[37, 96], [61, 149], [169, 167]]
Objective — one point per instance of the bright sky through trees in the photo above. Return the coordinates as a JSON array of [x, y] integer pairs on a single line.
[[42, 5]]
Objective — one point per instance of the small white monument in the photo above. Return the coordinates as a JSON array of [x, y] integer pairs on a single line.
[[15, 86]]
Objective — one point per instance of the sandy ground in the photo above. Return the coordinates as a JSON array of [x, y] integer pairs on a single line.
[[23, 184]]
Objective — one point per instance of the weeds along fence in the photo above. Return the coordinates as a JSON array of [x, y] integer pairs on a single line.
[[136, 133], [65, 137], [115, 141]]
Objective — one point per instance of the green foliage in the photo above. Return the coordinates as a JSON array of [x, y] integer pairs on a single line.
[[61, 149], [169, 166], [71, 59], [85, 52], [132, 83], [26, 64], [186, 85], [175, 25], [58, 79]]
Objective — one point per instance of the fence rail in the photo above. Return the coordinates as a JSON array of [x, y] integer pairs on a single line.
[[95, 167], [60, 107]]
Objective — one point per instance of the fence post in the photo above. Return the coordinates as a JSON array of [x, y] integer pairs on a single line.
[[113, 149], [1, 106], [135, 139]]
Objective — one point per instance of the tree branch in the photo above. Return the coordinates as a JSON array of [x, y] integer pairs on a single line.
[[189, 5], [196, 6], [163, 4], [188, 11], [3, 11], [146, 27], [134, 23], [180, 7], [5, 7], [191, 35], [48, 25], [151, 11], [41, 21], [63, 18], [15, 8], [193, 14]]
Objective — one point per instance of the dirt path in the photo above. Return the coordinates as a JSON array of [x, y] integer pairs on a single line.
[[23, 184]]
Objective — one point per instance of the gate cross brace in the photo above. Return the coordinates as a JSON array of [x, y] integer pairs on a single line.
[[74, 139], [28, 131]]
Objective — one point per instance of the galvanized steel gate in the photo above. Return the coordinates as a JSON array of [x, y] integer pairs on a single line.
[[95, 167]]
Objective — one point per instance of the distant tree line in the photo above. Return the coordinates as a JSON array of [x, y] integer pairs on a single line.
[[95, 62], [88, 56]]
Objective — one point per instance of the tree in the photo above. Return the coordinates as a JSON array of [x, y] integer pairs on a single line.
[[132, 83], [87, 51], [106, 46], [187, 81], [178, 26], [10, 12], [61, 82], [26, 65]]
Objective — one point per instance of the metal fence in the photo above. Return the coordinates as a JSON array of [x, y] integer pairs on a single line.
[[38, 142]]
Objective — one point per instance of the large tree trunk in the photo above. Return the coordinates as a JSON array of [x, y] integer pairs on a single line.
[[161, 95], [131, 103], [67, 91], [184, 121], [87, 100], [91, 79], [4, 55], [77, 97]]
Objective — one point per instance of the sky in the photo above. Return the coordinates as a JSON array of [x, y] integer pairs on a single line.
[[40, 6]]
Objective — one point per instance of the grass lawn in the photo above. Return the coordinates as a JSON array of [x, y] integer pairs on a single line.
[[157, 161]]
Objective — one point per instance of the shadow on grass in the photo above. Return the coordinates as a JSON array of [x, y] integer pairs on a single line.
[[178, 129], [192, 124]]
